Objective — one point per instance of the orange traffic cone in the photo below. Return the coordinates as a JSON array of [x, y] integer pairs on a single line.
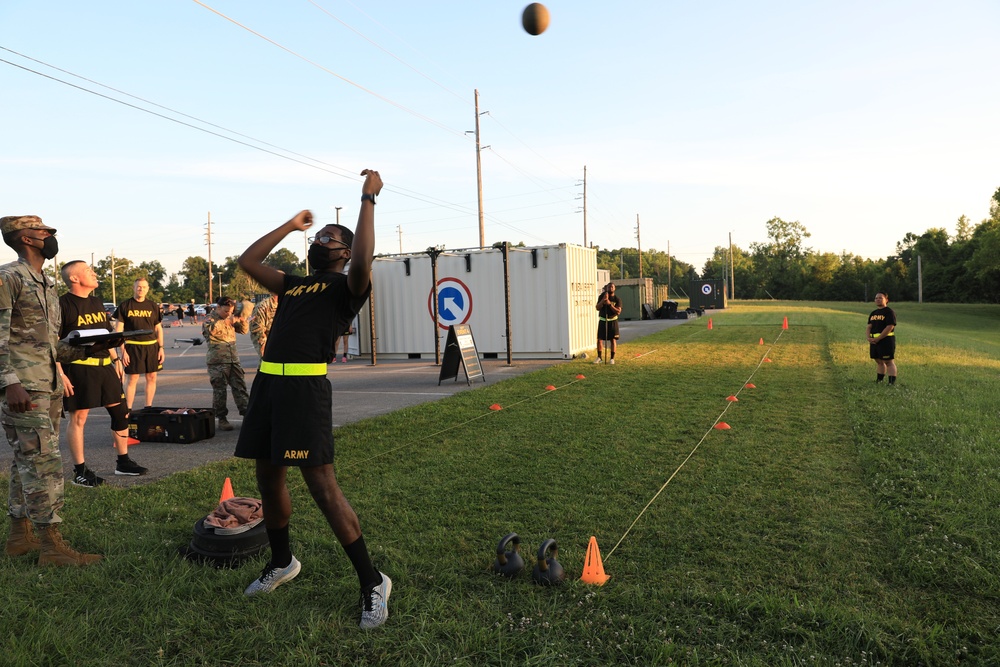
[[496, 406], [750, 385], [732, 399], [761, 341], [710, 323], [784, 324], [722, 426], [132, 441], [593, 567], [227, 490], [550, 387], [581, 376]]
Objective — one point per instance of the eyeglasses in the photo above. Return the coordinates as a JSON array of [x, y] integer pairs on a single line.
[[326, 239]]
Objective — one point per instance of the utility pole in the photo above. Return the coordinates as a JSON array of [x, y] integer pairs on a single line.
[[584, 206], [399, 230], [209, 238], [668, 269], [338, 213], [732, 276], [479, 178], [638, 241]]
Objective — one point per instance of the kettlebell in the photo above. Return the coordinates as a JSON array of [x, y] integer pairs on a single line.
[[548, 572], [509, 563]]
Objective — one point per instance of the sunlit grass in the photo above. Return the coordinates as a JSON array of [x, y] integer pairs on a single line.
[[837, 522]]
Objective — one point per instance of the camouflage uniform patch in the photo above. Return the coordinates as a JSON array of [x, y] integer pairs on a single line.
[[260, 323], [224, 363], [30, 319]]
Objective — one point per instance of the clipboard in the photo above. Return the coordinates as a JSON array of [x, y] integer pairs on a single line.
[[81, 337]]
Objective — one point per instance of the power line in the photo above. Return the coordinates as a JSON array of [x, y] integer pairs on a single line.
[[331, 72]]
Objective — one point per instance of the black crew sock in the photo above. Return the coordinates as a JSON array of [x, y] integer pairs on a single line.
[[892, 379], [281, 552], [879, 377], [362, 562], [122, 458], [80, 468]]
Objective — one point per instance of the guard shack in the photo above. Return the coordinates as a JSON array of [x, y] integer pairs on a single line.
[[708, 294]]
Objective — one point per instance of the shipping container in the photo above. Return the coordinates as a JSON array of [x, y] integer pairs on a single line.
[[553, 292]]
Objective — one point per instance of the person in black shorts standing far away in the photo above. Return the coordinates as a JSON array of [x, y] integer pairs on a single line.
[[93, 382], [881, 333], [609, 307], [143, 355], [289, 420]]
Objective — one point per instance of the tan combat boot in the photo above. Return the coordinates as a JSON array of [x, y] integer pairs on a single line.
[[55, 551], [22, 538]]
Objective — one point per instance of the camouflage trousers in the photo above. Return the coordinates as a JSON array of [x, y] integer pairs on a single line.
[[221, 375], [36, 474]]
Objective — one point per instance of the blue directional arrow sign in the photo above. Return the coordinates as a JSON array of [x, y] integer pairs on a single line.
[[454, 302]]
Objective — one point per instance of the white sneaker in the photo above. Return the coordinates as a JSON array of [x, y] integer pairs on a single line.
[[612, 362], [272, 577], [598, 360], [375, 604]]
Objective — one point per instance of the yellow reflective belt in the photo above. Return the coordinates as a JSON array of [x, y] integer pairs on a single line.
[[140, 342], [272, 368], [92, 361], [608, 319]]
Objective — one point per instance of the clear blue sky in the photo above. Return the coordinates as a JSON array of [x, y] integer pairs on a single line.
[[861, 120]]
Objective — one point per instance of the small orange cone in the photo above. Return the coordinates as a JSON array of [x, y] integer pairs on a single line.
[[784, 323], [227, 490], [722, 426], [550, 387], [495, 406], [132, 441], [593, 567], [766, 360], [732, 399], [761, 341], [581, 376], [750, 385], [710, 323]]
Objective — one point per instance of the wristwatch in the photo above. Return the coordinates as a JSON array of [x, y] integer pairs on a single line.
[[369, 197]]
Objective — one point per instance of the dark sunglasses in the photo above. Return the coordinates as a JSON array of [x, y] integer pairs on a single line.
[[326, 239]]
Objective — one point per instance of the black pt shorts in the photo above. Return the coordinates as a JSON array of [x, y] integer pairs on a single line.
[[289, 421]]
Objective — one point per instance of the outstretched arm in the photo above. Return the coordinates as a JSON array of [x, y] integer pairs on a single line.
[[363, 248], [252, 259]]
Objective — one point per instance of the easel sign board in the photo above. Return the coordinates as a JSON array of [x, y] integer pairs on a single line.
[[460, 349]]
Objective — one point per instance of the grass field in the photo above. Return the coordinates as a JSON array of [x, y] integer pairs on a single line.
[[836, 523]]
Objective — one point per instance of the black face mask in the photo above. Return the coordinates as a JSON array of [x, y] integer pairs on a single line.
[[50, 247], [319, 257]]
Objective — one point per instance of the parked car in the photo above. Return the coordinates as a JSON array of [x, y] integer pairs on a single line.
[[199, 309], [109, 308]]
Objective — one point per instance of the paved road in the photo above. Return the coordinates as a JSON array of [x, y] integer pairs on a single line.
[[366, 390]]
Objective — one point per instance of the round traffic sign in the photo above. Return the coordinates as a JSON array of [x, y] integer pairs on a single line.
[[454, 302]]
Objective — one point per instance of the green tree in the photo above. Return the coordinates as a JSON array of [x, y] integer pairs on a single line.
[[779, 264], [285, 260], [194, 270]]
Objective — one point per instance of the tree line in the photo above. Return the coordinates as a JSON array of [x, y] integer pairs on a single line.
[[187, 285], [962, 267]]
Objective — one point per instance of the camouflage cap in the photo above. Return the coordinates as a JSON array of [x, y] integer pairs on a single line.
[[13, 223]]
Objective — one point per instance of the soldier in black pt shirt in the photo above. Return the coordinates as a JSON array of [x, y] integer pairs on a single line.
[[92, 382], [289, 420], [881, 333], [143, 355]]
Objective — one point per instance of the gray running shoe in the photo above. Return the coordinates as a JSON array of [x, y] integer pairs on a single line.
[[375, 604], [272, 577]]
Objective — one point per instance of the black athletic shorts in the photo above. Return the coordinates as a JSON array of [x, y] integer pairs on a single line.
[[93, 387], [884, 350], [289, 421], [607, 330], [142, 359]]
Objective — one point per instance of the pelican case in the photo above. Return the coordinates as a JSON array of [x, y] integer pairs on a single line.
[[164, 425]]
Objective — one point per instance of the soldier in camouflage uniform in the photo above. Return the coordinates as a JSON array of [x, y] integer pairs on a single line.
[[260, 322], [220, 329], [31, 408]]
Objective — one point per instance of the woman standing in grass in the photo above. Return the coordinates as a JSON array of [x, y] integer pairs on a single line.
[[881, 334]]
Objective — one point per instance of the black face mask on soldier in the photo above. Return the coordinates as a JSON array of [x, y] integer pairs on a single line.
[[319, 257], [50, 247]]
